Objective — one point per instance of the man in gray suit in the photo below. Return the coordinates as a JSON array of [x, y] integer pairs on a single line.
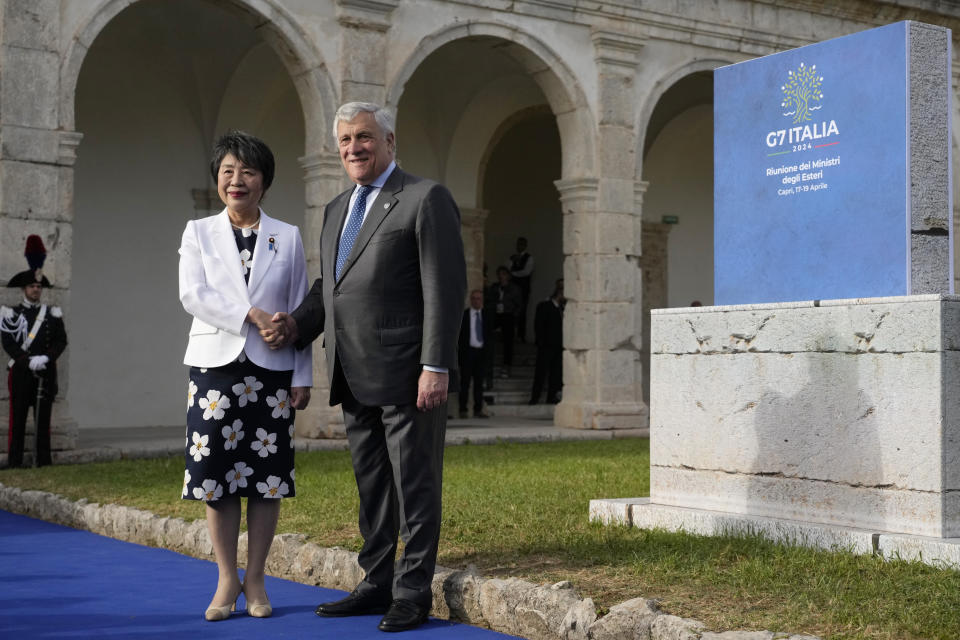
[[389, 302]]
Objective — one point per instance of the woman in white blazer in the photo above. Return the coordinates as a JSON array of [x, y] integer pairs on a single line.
[[237, 269]]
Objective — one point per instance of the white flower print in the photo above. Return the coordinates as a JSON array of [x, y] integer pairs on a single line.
[[293, 474], [214, 404], [247, 390], [280, 404], [186, 481], [245, 262], [212, 490], [199, 447], [264, 444], [242, 358], [232, 434], [273, 487], [291, 436], [191, 391], [237, 477]]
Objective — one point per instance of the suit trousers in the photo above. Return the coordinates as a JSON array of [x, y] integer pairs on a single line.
[[473, 362], [397, 454], [550, 367], [506, 322], [23, 395]]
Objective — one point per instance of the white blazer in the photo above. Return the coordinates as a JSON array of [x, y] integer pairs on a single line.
[[213, 291]]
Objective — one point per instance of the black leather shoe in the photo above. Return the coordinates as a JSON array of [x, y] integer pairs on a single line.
[[403, 616], [356, 604]]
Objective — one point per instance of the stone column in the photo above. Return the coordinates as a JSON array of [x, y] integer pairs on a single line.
[[363, 39], [653, 263], [472, 223], [602, 368], [956, 251], [324, 179], [36, 171]]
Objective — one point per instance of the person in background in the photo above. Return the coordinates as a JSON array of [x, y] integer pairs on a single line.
[[521, 270], [34, 336], [475, 330], [506, 298], [237, 269], [548, 330]]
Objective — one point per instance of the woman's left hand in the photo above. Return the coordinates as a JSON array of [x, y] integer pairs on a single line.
[[300, 397]]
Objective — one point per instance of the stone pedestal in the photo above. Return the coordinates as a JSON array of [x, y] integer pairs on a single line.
[[842, 413]]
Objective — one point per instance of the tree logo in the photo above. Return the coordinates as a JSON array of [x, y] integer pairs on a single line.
[[801, 91]]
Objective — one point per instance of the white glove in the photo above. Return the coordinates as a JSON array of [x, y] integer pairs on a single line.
[[38, 363]]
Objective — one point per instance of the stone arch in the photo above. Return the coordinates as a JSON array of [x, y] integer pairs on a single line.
[[564, 94], [659, 88], [497, 136], [279, 28]]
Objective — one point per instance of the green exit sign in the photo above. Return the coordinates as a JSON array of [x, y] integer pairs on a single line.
[[670, 219]]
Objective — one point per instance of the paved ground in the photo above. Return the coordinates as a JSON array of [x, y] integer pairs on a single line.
[[106, 443]]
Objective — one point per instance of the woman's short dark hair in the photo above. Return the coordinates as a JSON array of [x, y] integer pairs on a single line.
[[248, 149]]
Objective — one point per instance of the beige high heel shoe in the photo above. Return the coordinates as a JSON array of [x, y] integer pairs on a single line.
[[257, 609], [214, 614]]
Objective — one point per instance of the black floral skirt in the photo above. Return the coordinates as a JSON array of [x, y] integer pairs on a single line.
[[239, 433]]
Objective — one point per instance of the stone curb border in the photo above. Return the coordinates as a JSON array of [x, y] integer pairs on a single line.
[[513, 606]]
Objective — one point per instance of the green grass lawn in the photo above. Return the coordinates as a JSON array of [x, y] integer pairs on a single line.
[[521, 510]]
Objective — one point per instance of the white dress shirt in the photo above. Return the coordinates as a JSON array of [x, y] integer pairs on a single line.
[[474, 318]]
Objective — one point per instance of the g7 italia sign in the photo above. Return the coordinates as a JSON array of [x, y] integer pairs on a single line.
[[811, 172]]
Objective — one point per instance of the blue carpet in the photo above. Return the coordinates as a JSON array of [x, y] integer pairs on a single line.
[[57, 582]]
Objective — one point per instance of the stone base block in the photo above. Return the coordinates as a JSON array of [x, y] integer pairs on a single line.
[[597, 415], [643, 514], [831, 503], [835, 412]]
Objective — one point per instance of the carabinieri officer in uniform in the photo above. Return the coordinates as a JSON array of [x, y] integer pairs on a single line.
[[33, 336]]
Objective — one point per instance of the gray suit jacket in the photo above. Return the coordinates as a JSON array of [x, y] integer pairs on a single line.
[[399, 300]]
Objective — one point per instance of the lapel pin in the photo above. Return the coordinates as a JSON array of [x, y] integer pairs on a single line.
[[386, 205], [273, 243]]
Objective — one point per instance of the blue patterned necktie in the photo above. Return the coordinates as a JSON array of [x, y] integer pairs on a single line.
[[479, 327], [352, 229]]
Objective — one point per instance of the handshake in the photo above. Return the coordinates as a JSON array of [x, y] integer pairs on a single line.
[[277, 330]]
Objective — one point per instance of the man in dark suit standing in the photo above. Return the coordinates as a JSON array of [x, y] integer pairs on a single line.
[[548, 329], [475, 330], [389, 302]]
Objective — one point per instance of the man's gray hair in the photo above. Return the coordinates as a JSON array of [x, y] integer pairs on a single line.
[[351, 110]]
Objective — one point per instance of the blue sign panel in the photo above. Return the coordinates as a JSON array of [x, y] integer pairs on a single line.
[[811, 172]]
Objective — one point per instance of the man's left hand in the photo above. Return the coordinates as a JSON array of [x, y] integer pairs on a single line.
[[432, 390], [300, 397]]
